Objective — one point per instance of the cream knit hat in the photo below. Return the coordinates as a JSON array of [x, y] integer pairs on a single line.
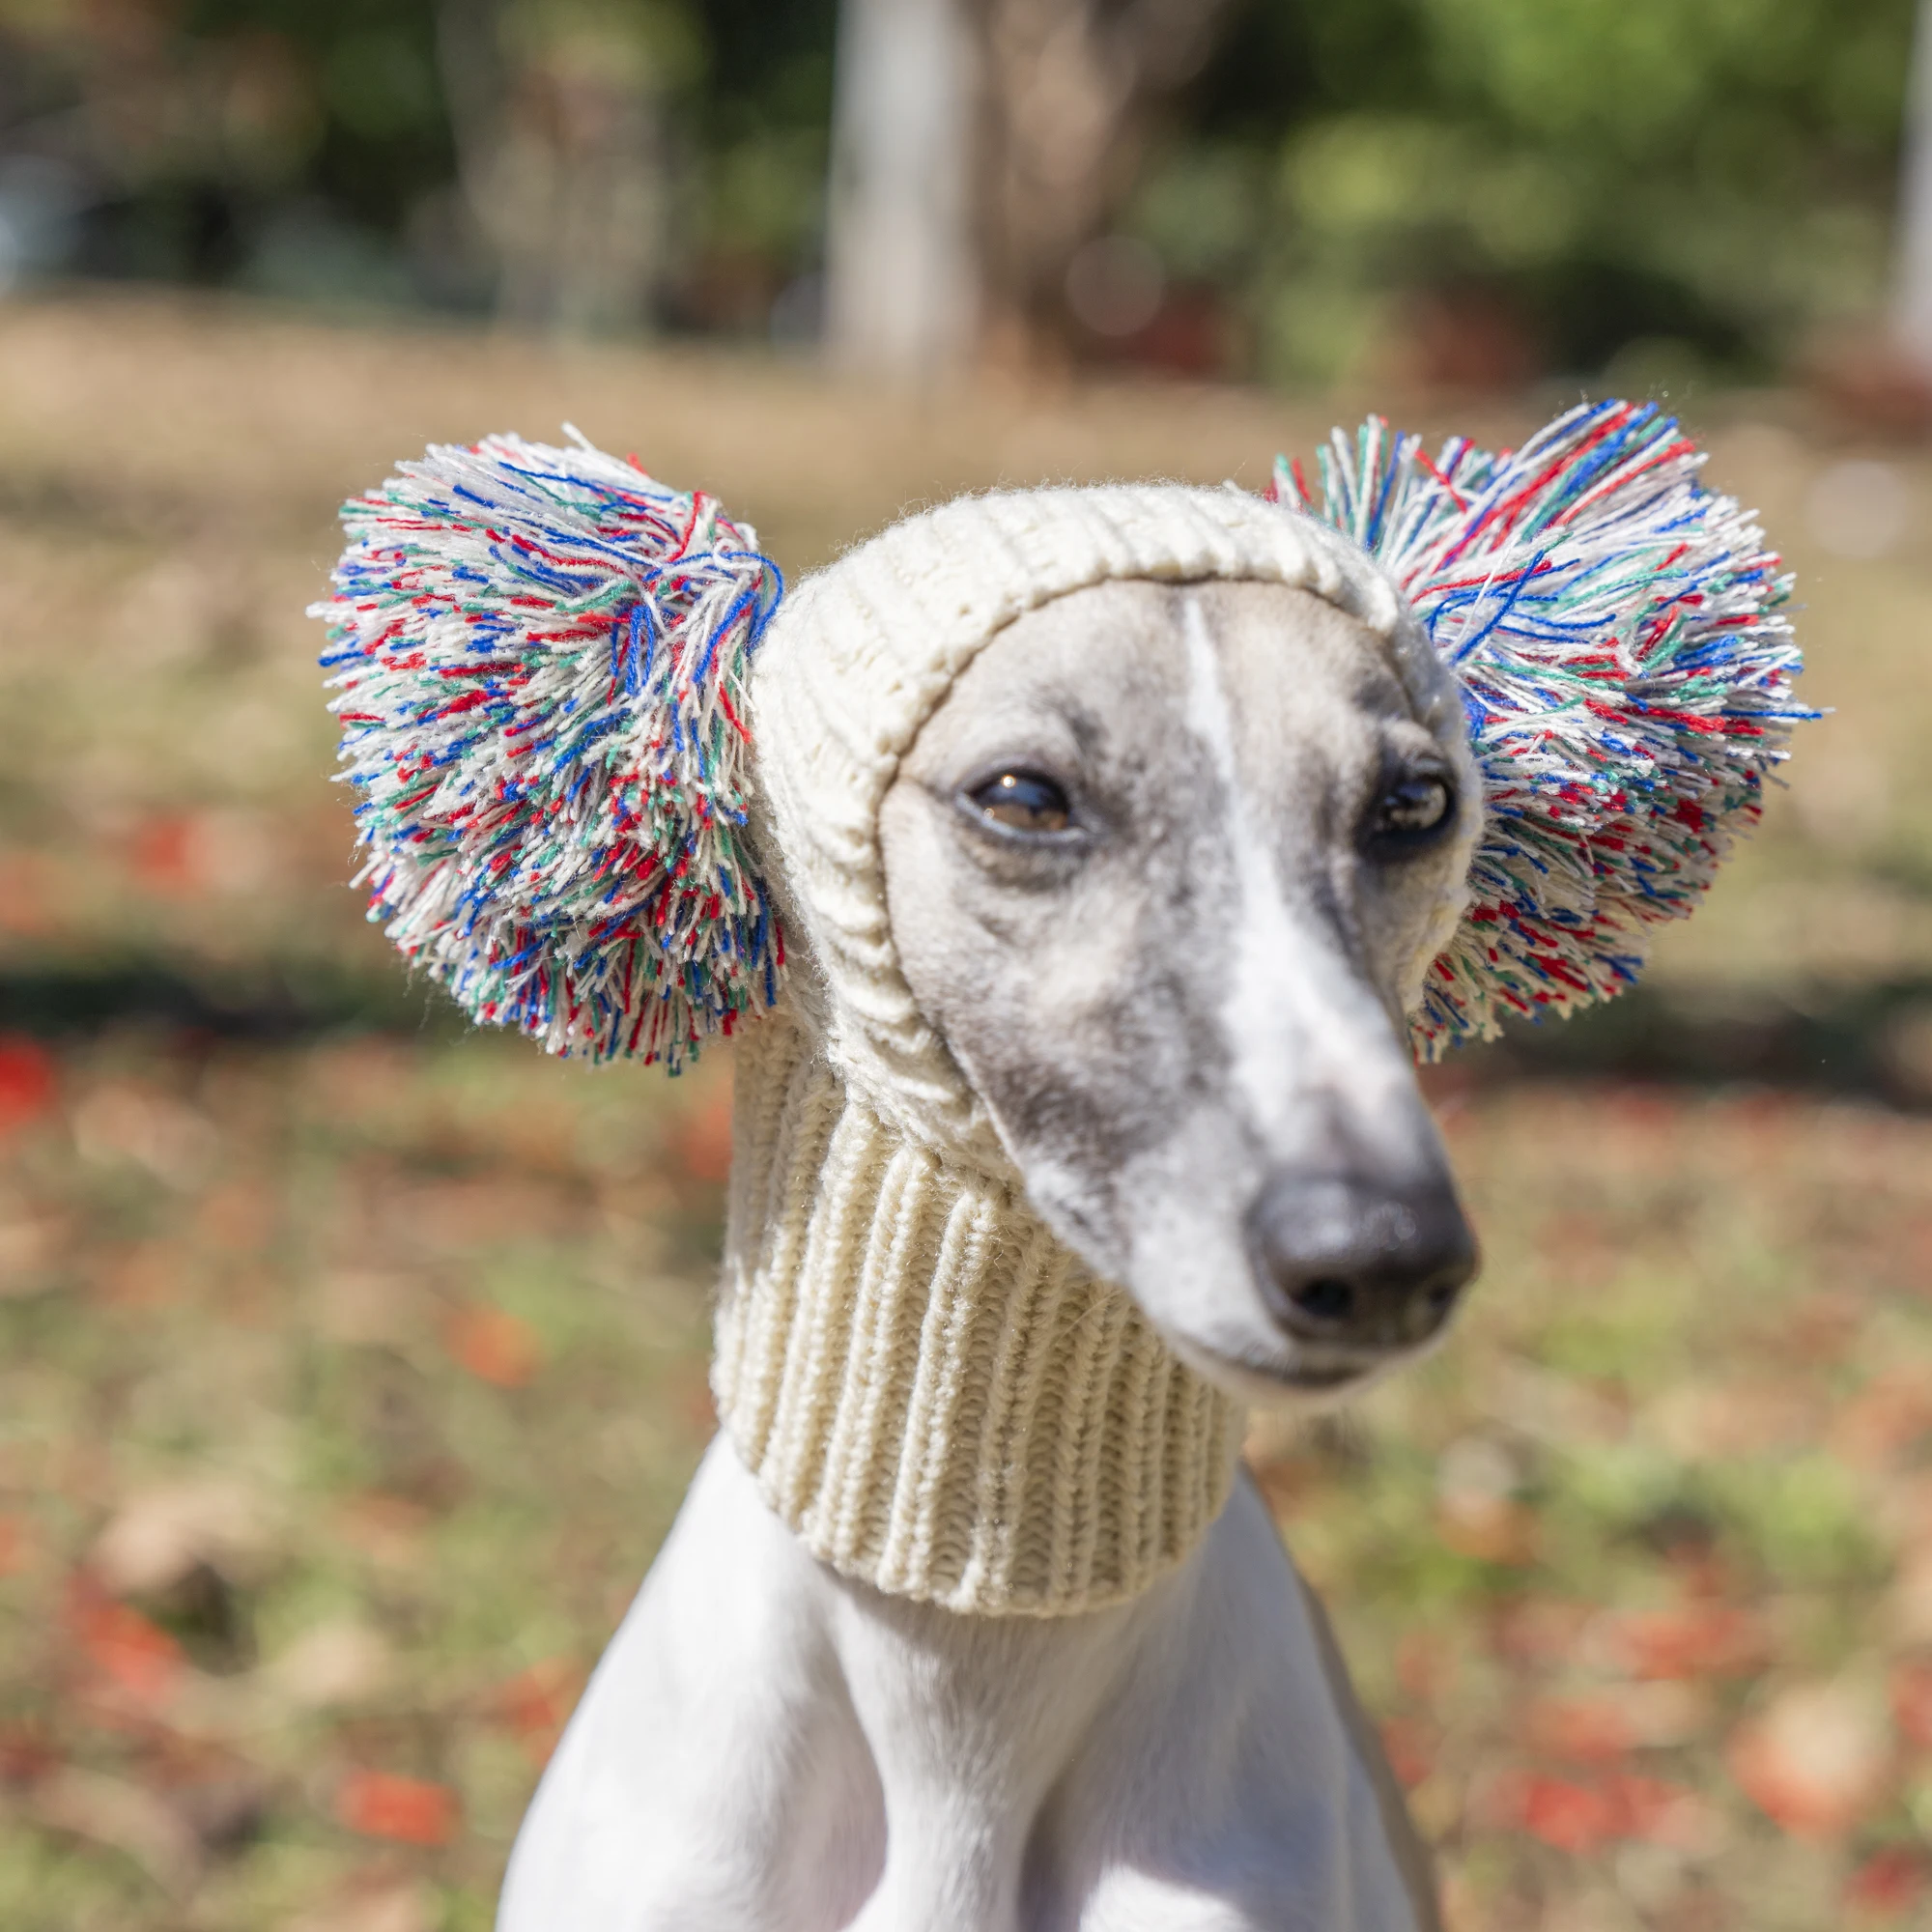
[[931, 1390], [861, 655]]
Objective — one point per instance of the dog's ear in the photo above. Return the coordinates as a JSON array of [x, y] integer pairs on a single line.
[[1626, 675], [539, 657]]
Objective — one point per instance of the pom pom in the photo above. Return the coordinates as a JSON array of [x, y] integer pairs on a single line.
[[1624, 670], [540, 659]]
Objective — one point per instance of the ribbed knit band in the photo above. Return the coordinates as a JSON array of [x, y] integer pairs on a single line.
[[930, 1390]]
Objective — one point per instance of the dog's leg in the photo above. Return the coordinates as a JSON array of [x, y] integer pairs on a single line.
[[770, 1747], [1193, 1761], [1229, 1784]]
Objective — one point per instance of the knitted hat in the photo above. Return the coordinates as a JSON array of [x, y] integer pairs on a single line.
[[861, 655], [604, 768]]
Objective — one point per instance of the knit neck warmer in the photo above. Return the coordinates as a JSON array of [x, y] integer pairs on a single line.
[[930, 1389]]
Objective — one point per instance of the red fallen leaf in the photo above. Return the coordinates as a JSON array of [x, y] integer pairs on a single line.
[[1884, 1419], [494, 1346], [1597, 1726], [28, 1081], [1409, 1745], [410, 1810], [704, 1147], [167, 854], [1889, 1882], [1581, 1814], [1911, 1701], [138, 1657], [25, 878], [26, 1752], [1815, 1760], [1571, 1816], [1696, 1639]]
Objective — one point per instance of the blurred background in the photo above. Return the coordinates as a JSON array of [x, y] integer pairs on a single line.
[[1471, 191], [352, 1364]]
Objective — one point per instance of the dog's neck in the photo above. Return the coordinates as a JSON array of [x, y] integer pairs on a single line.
[[930, 1389]]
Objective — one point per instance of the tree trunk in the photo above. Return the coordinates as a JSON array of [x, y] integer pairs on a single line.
[[979, 146], [902, 289], [1912, 310]]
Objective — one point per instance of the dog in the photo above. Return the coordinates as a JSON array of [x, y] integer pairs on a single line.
[[1080, 869], [1156, 868]]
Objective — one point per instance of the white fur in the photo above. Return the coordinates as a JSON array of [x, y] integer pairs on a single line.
[[769, 1747], [1295, 1020]]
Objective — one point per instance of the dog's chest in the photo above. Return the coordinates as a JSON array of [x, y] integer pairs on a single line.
[[769, 1748]]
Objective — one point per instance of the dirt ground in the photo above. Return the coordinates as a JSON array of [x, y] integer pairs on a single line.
[[352, 1365]]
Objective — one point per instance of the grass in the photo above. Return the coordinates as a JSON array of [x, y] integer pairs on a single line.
[[352, 1365]]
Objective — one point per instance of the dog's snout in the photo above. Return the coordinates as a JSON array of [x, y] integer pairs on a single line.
[[1359, 1266]]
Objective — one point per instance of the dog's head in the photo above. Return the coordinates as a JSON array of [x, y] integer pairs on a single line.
[[1164, 868], [1123, 837]]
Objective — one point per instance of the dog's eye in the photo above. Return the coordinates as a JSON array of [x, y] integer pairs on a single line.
[[1023, 802], [1416, 806]]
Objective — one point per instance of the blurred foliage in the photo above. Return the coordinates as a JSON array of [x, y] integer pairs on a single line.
[[1498, 185], [313, 148], [766, 114], [173, 141], [1468, 191]]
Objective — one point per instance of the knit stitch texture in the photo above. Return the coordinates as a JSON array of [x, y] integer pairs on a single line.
[[930, 1389]]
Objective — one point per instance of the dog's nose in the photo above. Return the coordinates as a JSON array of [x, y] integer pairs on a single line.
[[1359, 1266]]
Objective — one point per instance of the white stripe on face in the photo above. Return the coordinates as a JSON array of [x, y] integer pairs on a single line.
[[1296, 1018]]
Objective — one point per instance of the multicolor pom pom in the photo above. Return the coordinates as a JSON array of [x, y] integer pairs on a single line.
[[540, 658], [1626, 674], [541, 654]]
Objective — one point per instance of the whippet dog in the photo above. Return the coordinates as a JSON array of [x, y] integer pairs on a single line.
[[1159, 870]]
